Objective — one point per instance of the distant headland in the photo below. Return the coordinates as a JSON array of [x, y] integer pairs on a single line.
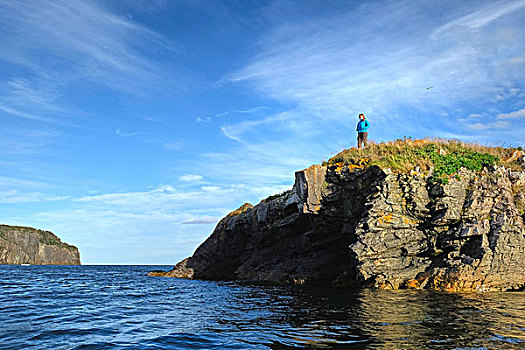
[[26, 245], [420, 214]]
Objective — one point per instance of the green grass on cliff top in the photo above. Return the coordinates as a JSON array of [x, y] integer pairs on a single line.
[[445, 156]]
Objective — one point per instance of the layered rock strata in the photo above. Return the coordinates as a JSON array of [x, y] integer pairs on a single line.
[[366, 226], [25, 245]]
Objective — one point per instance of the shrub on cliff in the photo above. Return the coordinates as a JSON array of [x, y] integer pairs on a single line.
[[449, 164]]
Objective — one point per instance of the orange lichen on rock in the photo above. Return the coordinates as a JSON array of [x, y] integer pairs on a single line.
[[241, 209], [339, 167], [413, 284], [386, 219], [395, 219], [359, 165], [516, 155]]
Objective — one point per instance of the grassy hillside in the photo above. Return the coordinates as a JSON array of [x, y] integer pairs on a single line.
[[445, 156]]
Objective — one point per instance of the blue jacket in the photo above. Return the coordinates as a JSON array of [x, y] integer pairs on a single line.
[[362, 125]]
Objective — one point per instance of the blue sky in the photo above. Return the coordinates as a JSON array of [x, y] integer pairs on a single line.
[[129, 128]]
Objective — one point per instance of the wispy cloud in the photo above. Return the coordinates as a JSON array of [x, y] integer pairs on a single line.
[[190, 177], [269, 126], [173, 145], [26, 115], [482, 17], [14, 196], [379, 59], [253, 110], [7, 183], [53, 54], [90, 41], [51, 47], [15, 142], [127, 134]]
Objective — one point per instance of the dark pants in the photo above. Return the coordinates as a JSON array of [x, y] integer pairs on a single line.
[[362, 137]]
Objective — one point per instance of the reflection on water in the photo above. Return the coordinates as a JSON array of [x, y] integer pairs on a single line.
[[49, 307], [415, 320]]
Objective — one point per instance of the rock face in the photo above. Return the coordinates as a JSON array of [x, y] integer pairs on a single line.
[[25, 245], [366, 226]]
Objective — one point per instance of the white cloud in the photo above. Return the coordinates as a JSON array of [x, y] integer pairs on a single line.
[[226, 131], [512, 115], [205, 219], [190, 177], [495, 126], [203, 119]]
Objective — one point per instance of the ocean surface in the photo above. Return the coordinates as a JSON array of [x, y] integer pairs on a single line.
[[118, 307]]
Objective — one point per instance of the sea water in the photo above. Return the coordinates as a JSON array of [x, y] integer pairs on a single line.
[[118, 307]]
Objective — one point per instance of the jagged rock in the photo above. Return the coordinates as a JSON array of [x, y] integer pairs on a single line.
[[180, 271], [25, 245], [365, 226]]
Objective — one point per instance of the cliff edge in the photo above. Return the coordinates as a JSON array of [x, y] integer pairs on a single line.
[[446, 216], [26, 245]]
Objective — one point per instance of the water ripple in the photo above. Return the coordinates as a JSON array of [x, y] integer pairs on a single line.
[[117, 307]]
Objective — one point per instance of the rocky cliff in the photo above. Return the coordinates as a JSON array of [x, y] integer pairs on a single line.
[[363, 225], [25, 245]]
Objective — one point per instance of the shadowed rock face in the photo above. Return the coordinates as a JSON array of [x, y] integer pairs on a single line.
[[25, 245], [350, 225]]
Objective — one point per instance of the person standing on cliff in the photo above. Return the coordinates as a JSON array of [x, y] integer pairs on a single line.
[[362, 133]]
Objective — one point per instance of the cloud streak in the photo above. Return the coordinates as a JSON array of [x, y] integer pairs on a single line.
[[14, 196], [88, 39], [127, 134], [482, 17]]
